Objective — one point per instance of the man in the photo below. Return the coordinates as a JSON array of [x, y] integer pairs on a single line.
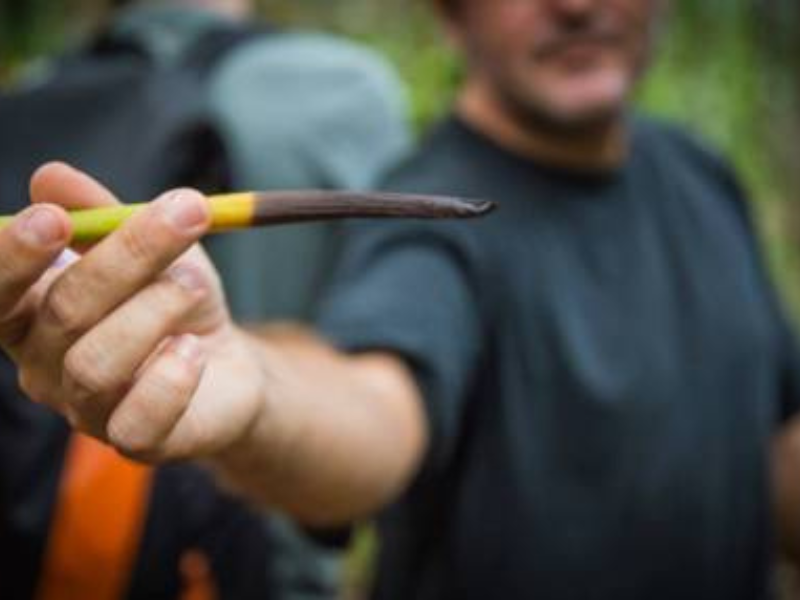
[[186, 73], [575, 398]]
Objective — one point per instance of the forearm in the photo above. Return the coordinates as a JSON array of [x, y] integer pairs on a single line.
[[786, 473], [337, 436]]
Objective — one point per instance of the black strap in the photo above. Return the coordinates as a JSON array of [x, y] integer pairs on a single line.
[[216, 43], [109, 46], [201, 56]]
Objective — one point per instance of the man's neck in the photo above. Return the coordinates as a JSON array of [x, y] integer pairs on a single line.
[[602, 148]]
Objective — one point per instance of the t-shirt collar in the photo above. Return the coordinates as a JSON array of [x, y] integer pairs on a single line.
[[495, 151]]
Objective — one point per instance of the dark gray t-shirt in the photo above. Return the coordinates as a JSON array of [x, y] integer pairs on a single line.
[[603, 364]]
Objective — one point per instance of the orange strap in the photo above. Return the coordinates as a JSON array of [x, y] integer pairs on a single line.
[[97, 526]]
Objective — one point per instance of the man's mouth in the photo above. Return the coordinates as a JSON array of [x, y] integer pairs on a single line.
[[576, 47]]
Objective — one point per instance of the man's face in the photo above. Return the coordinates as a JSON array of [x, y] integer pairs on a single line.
[[566, 64]]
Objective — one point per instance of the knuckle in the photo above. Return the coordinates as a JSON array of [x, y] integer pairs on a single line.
[[172, 379], [136, 245], [189, 277], [83, 371], [180, 291], [121, 437], [170, 299], [17, 260], [62, 306]]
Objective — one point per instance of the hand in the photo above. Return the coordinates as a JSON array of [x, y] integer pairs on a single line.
[[132, 342]]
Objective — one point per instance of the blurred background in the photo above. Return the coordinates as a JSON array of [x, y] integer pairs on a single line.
[[728, 69]]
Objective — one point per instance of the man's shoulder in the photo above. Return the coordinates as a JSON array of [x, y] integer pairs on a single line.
[[686, 156], [683, 148]]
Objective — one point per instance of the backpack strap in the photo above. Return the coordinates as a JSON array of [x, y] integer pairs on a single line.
[[97, 526], [114, 46], [211, 47], [104, 46], [201, 56], [209, 167]]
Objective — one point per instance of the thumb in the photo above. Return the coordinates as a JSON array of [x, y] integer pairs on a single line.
[[59, 183]]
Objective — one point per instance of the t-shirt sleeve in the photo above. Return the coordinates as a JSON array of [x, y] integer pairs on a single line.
[[409, 293], [788, 352]]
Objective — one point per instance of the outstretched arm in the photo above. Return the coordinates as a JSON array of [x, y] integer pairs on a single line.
[[134, 345], [336, 437]]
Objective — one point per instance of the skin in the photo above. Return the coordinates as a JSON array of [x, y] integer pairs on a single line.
[[786, 483], [134, 343], [551, 79]]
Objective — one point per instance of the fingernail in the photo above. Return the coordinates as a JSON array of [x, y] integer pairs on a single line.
[[40, 227], [187, 277], [65, 259], [188, 348], [185, 210]]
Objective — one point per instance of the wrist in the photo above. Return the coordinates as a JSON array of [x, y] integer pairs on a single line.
[[256, 454]]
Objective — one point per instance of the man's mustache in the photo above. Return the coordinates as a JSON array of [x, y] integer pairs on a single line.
[[557, 42]]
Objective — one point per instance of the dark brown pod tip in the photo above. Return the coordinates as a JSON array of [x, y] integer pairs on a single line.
[[319, 205]]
